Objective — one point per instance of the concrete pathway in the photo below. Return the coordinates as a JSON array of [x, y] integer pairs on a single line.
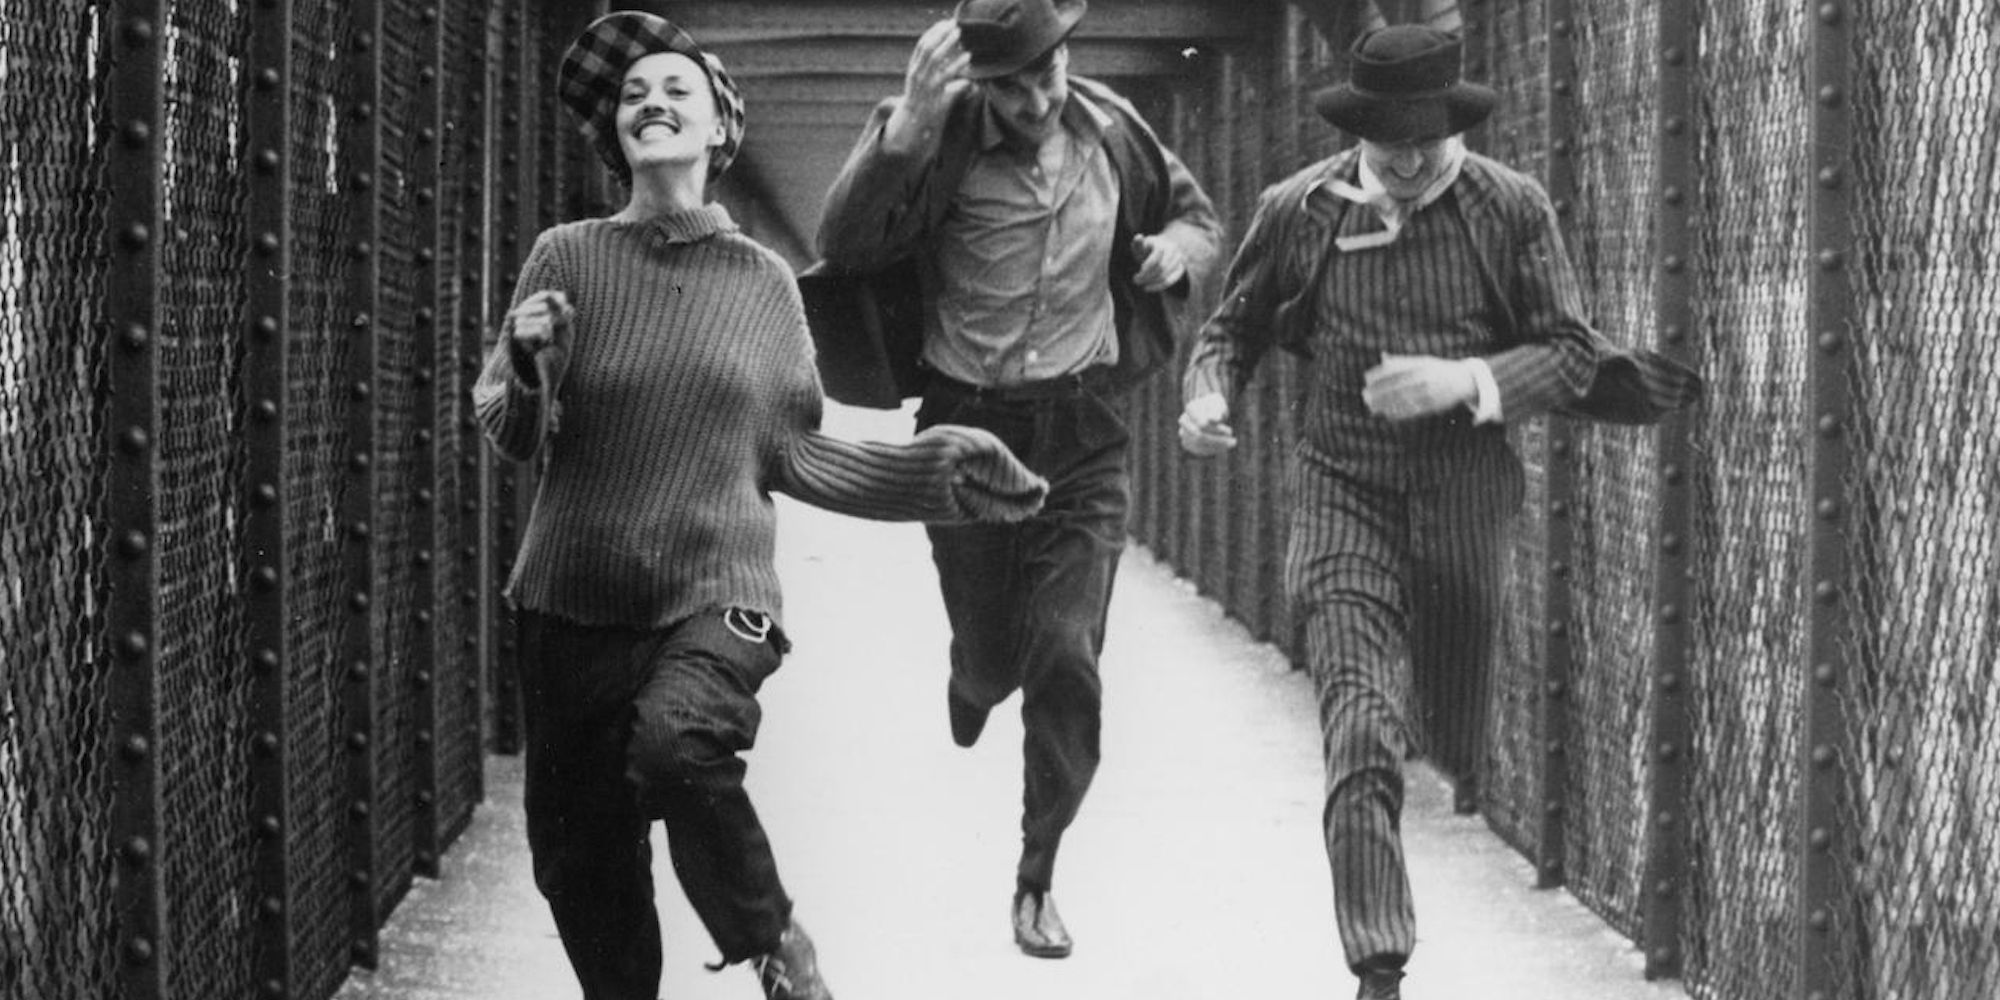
[[1195, 872]]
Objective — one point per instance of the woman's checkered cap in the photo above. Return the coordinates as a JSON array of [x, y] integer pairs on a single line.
[[594, 68]]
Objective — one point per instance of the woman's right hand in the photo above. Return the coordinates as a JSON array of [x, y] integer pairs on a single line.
[[540, 321]]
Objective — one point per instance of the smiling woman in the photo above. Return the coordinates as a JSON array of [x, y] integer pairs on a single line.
[[647, 599]]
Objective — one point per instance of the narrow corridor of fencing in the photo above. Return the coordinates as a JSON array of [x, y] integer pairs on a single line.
[[250, 543]]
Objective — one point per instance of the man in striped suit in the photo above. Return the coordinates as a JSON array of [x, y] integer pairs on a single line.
[[1431, 291]]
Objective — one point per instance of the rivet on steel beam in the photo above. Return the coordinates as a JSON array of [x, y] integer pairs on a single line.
[[1670, 682], [1818, 995], [359, 462], [1559, 570], [273, 906], [266, 327], [1665, 820], [361, 321], [136, 236], [424, 497], [265, 410], [138, 32], [362, 180], [1662, 955], [134, 441], [423, 316], [134, 645], [1895, 756], [1675, 125], [1560, 147], [357, 671], [1820, 839], [1559, 27], [269, 827], [1829, 177], [424, 618], [1830, 342], [1558, 630], [135, 748], [1667, 751], [1552, 868], [425, 799], [264, 579], [426, 195], [266, 661], [1670, 614], [358, 809], [1830, 260], [1561, 88], [430, 15], [267, 243], [1819, 920], [359, 531], [1830, 96], [139, 950], [1823, 756], [1563, 206], [1675, 55], [1828, 509], [1826, 591], [264, 495], [1663, 889], [138, 851], [1829, 14], [1554, 749], [1559, 510], [266, 744], [136, 133], [1673, 474], [133, 543], [1824, 675], [268, 78], [361, 250], [427, 135], [135, 337], [360, 391], [1672, 195], [358, 601], [357, 741], [362, 112], [423, 737], [274, 990], [1673, 263], [364, 40], [425, 256], [268, 160], [358, 878], [1829, 426], [1671, 544]]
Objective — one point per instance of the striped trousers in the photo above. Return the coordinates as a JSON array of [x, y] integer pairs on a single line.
[[1388, 581]]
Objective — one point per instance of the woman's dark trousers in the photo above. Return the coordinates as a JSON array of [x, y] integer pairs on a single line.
[[626, 726]]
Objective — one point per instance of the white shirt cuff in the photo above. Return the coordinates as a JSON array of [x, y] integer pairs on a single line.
[[1486, 408]]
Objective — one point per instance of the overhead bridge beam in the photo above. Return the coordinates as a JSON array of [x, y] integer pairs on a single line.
[[736, 22], [890, 57]]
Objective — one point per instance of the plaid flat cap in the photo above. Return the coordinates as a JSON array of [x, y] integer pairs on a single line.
[[595, 65]]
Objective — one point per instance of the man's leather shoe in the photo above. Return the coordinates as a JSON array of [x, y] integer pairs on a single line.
[[1385, 985], [791, 972], [1038, 929], [967, 720]]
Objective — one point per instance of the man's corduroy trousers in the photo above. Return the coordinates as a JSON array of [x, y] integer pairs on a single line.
[[1027, 601], [1371, 568], [626, 726]]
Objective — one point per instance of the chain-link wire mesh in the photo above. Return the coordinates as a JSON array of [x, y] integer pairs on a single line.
[[1923, 913], [1615, 496], [57, 933], [204, 685], [1746, 617], [317, 397]]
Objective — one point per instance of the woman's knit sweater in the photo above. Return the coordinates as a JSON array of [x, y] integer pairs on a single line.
[[687, 395]]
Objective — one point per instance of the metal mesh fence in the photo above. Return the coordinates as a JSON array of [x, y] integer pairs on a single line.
[[1924, 919], [56, 915], [1747, 625], [1614, 502], [204, 690]]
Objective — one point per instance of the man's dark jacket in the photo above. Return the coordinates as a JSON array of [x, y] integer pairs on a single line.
[[876, 280]]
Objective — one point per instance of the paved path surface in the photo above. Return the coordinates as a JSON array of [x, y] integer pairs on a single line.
[[1194, 873]]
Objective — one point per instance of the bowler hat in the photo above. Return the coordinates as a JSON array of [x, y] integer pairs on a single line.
[[1002, 36], [1406, 84], [594, 68]]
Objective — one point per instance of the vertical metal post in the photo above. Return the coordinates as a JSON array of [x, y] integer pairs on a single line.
[[1675, 187], [1559, 478], [134, 104], [361, 137], [514, 227], [1826, 753], [432, 332], [267, 284], [469, 536]]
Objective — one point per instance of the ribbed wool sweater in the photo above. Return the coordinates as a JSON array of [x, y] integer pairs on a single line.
[[687, 394]]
